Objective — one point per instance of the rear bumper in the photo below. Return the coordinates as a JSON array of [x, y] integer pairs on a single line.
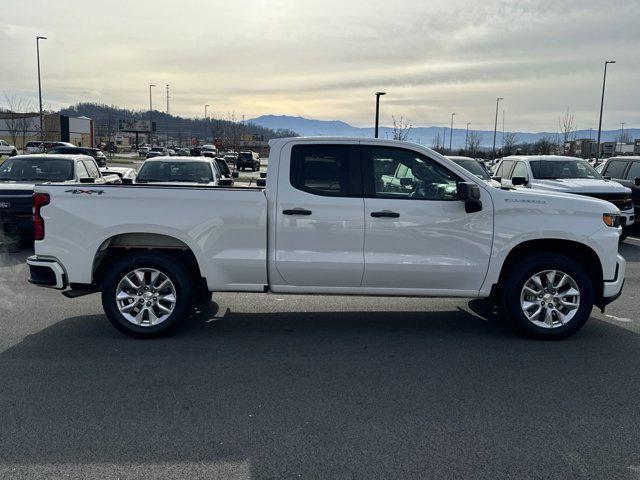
[[46, 272], [613, 288]]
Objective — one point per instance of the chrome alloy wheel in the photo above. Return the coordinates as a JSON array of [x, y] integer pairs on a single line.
[[550, 299], [146, 297]]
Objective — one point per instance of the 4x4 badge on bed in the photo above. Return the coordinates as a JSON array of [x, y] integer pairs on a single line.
[[77, 191]]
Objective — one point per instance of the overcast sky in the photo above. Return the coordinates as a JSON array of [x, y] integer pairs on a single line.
[[324, 59]]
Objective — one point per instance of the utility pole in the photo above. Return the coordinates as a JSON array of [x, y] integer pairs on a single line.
[[503, 129], [40, 87], [150, 116], [604, 82], [495, 131], [621, 136], [466, 139], [451, 133], [205, 111], [378, 95], [167, 99]]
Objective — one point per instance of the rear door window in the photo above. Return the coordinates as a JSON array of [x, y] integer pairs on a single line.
[[615, 169], [82, 170], [520, 170], [505, 168], [328, 170], [634, 171]]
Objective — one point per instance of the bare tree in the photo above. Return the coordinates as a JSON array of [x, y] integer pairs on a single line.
[[401, 128], [624, 138], [509, 146], [544, 146], [473, 143], [15, 106], [567, 127], [438, 143]]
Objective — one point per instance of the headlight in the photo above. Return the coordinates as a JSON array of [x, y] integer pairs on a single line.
[[611, 219]]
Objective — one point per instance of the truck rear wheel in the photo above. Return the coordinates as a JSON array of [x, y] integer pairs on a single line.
[[547, 296], [147, 295]]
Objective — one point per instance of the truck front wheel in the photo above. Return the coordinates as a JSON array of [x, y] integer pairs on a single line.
[[547, 296], [147, 295]]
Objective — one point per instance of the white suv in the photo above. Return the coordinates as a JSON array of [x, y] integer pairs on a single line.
[[6, 149], [566, 175]]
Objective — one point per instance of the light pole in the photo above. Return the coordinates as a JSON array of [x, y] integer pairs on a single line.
[[378, 95], [495, 131], [205, 111], [604, 81], [150, 116], [621, 135], [451, 133], [466, 139], [40, 86]]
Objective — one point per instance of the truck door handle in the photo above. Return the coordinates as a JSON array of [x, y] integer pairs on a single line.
[[385, 213], [296, 211]]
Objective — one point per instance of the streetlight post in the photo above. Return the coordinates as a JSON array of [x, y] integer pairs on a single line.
[[495, 131], [451, 133], [40, 86], [205, 111], [378, 95], [150, 116], [604, 81], [621, 135], [466, 139]]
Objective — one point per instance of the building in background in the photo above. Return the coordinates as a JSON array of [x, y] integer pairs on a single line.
[[20, 128]]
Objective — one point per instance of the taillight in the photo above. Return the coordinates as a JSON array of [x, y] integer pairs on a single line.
[[39, 201]]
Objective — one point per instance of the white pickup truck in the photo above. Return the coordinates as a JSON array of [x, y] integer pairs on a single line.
[[338, 216]]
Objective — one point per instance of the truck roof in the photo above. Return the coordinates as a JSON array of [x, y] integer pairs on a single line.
[[548, 158], [179, 159]]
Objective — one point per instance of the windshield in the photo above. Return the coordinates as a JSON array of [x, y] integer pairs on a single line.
[[559, 169], [36, 169], [474, 167], [168, 171]]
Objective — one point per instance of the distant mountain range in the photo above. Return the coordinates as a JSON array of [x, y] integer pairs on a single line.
[[422, 135]]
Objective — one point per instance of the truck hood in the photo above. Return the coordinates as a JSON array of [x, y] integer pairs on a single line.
[[556, 199], [580, 185]]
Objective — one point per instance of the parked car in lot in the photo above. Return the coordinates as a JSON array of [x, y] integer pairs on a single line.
[[567, 175], [626, 171], [476, 167], [142, 151], [124, 174], [20, 173], [44, 147], [7, 149], [335, 218], [157, 152], [208, 151], [184, 170], [230, 157], [97, 154], [248, 160]]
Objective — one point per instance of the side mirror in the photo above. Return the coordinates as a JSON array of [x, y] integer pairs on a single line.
[[235, 174], [261, 182], [497, 179], [469, 193], [607, 178], [636, 181], [263, 174], [87, 180], [127, 181], [515, 181], [225, 182]]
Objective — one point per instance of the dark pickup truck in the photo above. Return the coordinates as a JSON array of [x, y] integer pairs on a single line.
[[20, 173]]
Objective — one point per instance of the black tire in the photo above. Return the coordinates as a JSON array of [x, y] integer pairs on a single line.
[[518, 276], [624, 235], [14, 153], [165, 264]]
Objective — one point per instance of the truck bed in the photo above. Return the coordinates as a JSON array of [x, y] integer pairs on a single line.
[[225, 228]]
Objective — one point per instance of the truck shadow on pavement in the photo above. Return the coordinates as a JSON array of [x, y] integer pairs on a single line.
[[325, 395]]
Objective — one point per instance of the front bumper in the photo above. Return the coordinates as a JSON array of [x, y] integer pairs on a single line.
[[46, 272], [613, 288], [627, 217]]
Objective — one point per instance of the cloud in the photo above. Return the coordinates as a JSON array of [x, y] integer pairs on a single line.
[[325, 59]]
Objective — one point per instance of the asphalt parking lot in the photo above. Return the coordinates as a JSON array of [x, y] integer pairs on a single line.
[[270, 387]]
